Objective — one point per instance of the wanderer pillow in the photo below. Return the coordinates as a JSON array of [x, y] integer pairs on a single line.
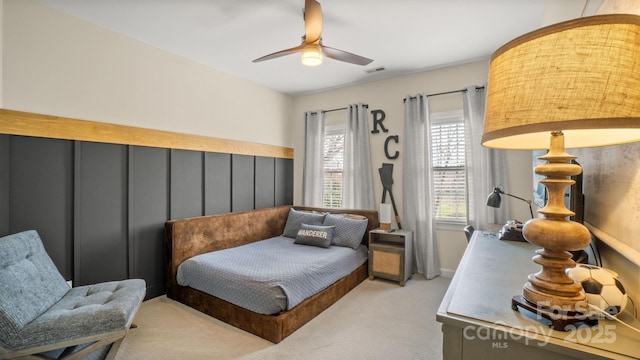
[[315, 235]]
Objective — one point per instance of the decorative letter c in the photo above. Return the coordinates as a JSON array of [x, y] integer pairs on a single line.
[[386, 147]]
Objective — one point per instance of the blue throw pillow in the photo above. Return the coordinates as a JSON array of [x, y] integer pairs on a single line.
[[349, 229], [296, 218], [315, 235]]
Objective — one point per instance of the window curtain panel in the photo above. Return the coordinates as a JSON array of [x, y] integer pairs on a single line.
[[357, 177], [312, 169], [417, 183], [486, 168]]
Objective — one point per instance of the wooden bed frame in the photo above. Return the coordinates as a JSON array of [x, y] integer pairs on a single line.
[[186, 238]]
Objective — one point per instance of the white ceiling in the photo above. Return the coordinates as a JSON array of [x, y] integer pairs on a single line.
[[402, 36]]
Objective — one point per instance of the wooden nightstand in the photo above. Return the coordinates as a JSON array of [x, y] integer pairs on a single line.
[[390, 255]]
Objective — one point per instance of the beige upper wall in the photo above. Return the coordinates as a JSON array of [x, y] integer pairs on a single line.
[[57, 64]]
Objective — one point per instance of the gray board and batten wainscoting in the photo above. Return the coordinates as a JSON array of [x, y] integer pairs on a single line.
[[100, 207]]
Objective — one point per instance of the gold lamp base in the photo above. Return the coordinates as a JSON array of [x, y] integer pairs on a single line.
[[551, 290]]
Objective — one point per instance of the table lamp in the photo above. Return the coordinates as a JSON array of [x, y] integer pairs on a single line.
[[574, 84], [384, 217]]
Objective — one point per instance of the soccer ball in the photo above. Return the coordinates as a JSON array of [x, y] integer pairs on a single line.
[[602, 287]]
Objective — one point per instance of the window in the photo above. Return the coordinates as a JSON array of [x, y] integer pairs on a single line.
[[449, 175], [333, 161]]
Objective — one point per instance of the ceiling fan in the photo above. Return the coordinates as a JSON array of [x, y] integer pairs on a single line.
[[312, 48]]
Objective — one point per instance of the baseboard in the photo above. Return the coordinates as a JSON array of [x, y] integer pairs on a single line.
[[448, 273]]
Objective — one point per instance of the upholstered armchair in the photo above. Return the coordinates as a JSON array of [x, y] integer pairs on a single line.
[[41, 314]]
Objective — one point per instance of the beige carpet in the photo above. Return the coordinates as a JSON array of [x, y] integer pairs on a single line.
[[377, 320]]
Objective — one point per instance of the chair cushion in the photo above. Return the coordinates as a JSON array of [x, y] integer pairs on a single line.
[[29, 282], [84, 311]]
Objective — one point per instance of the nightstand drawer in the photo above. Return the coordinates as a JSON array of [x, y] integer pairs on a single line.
[[387, 261]]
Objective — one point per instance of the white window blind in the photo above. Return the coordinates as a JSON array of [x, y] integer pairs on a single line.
[[333, 165], [447, 142]]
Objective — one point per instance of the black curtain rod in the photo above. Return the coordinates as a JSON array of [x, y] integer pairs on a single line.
[[338, 109], [342, 108], [446, 92]]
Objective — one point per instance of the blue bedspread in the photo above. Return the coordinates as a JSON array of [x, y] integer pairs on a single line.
[[269, 276]]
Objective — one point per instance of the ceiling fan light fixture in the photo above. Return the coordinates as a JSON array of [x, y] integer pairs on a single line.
[[311, 56]]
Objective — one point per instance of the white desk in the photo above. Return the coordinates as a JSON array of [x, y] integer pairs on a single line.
[[478, 322]]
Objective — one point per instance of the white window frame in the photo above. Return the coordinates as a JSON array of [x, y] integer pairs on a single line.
[[448, 117], [329, 131]]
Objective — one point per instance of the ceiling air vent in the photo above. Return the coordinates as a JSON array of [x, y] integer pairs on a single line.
[[378, 69]]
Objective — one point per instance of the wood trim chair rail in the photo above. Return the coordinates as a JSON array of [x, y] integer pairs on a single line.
[[30, 124]]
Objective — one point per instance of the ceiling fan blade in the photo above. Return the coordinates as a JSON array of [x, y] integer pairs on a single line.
[[344, 56], [280, 53], [312, 21]]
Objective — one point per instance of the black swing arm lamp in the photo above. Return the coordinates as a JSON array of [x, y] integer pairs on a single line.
[[494, 199]]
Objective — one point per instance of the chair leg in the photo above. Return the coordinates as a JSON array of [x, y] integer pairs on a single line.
[[35, 357], [114, 349], [71, 352], [93, 347]]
